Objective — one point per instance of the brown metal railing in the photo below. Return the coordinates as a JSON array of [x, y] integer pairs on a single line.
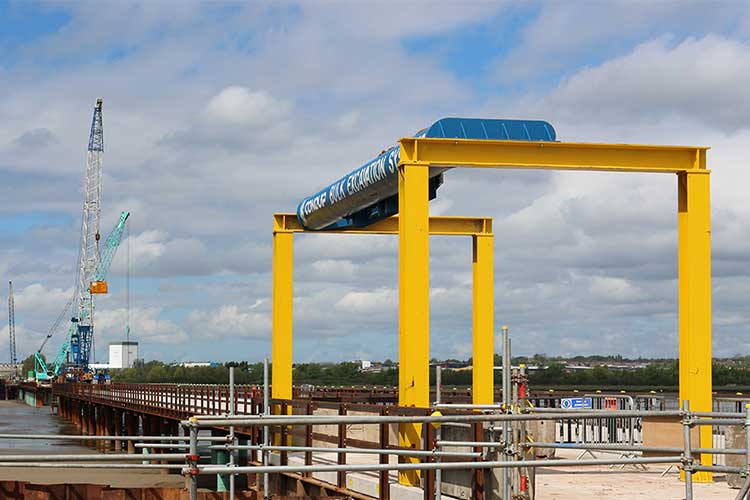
[[169, 400]]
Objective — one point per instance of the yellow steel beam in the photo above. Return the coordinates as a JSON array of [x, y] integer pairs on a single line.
[[414, 303], [483, 319], [439, 226], [694, 268], [281, 355], [551, 155]]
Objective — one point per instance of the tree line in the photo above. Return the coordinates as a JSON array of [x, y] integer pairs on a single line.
[[661, 375]]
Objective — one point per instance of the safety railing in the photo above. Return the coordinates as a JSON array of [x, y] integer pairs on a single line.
[[493, 452], [298, 438], [169, 399], [490, 450]]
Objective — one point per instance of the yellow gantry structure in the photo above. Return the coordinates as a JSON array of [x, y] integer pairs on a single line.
[[413, 351], [478, 228], [414, 226]]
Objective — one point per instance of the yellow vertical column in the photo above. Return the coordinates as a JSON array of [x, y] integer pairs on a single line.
[[483, 388], [283, 262], [694, 242], [414, 306]]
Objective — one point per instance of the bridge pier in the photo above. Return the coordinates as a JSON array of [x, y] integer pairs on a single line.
[[60, 408], [148, 427], [117, 422], [98, 417], [220, 457], [72, 406], [85, 419], [109, 428], [241, 480], [173, 429], [82, 417], [162, 431], [77, 415], [99, 428], [131, 429], [92, 420], [34, 395], [148, 430]]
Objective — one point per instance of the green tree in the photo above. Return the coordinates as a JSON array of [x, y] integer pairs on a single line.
[[28, 364]]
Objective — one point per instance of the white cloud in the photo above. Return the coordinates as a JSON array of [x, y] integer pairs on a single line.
[[564, 36], [37, 298], [732, 320], [615, 289], [703, 80], [230, 321], [238, 105], [36, 138], [156, 253], [333, 270], [145, 248], [346, 123], [146, 326], [380, 301], [376, 19], [27, 342]]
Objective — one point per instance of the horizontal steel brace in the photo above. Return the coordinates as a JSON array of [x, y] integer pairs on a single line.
[[439, 226], [511, 464], [474, 153]]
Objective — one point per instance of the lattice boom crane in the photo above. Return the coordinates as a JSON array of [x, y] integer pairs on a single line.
[[49, 371], [93, 266], [12, 328], [88, 263]]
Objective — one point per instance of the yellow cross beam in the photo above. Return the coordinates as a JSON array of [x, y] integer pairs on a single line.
[[474, 153]]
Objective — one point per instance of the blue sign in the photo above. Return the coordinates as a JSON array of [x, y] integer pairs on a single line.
[[370, 193], [353, 192], [577, 404]]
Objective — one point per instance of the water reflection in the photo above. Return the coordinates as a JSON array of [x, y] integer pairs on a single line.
[[19, 418]]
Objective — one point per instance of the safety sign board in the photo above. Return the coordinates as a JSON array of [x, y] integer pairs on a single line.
[[577, 404]]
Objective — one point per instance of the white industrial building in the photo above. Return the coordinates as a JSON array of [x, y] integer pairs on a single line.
[[122, 354]]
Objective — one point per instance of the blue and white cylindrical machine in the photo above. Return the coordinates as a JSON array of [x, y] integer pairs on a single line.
[[370, 193]]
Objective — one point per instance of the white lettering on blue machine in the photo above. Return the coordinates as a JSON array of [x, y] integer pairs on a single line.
[[366, 195]]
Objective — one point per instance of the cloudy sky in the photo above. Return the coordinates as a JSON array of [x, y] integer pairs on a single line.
[[217, 115]]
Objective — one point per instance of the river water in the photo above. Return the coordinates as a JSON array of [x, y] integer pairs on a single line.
[[19, 418]]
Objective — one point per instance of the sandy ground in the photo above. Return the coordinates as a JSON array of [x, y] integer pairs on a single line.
[[596, 483], [569, 483], [589, 483]]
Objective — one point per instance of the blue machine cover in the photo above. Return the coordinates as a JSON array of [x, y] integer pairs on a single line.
[[370, 193]]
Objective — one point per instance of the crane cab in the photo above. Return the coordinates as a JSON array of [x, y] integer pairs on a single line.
[[99, 287]]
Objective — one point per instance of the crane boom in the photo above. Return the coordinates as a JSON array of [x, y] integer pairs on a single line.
[[99, 285], [12, 328], [58, 320]]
